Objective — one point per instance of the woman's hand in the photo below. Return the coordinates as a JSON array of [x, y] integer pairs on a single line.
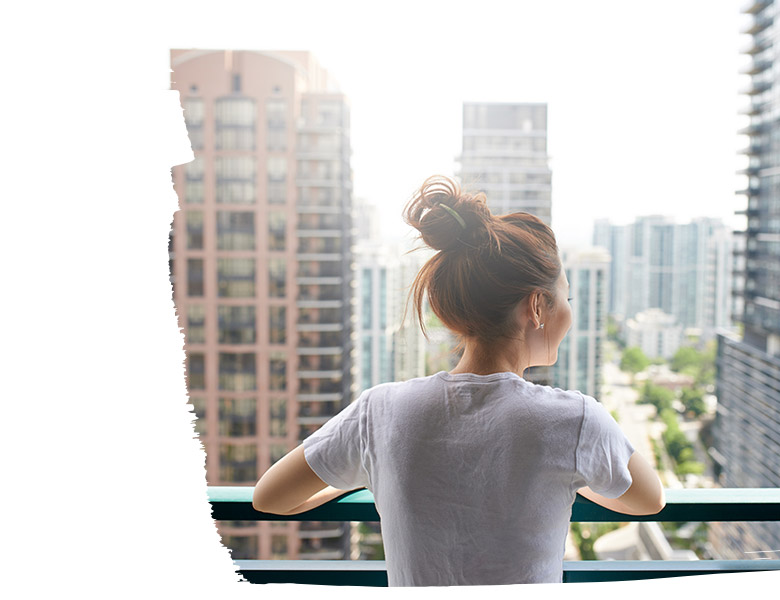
[[290, 487]]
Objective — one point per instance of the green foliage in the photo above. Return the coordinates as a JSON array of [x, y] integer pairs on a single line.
[[693, 400], [658, 396], [586, 534], [634, 360], [613, 331], [700, 364], [678, 446]]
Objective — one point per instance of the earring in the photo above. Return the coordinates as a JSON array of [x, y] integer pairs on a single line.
[[541, 326]]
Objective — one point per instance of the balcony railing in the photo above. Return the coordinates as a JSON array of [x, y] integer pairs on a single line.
[[726, 504]]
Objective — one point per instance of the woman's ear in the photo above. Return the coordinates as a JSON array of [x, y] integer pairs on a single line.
[[533, 308]]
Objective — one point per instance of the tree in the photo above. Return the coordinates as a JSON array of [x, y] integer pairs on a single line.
[[634, 360], [700, 364], [660, 397], [693, 400]]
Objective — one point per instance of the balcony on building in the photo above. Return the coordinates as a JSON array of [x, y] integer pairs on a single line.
[[682, 505]]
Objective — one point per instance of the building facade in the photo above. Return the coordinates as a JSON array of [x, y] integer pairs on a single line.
[[505, 155], [261, 270], [683, 269], [655, 332], [580, 355], [747, 424]]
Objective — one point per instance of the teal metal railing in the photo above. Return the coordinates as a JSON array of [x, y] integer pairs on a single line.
[[722, 504]]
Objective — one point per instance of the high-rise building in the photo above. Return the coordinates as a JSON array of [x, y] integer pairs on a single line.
[[655, 332], [377, 305], [747, 423], [682, 269], [580, 355], [261, 270], [505, 155]]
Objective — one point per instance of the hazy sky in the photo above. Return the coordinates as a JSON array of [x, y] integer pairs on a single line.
[[643, 96]]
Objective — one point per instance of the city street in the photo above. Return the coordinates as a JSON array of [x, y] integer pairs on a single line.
[[636, 420]]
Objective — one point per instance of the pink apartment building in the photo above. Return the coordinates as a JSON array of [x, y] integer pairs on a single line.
[[261, 268]]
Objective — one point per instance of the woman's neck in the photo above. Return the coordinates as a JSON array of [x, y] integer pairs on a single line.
[[498, 357]]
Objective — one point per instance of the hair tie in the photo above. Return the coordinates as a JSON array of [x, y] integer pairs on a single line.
[[454, 214]]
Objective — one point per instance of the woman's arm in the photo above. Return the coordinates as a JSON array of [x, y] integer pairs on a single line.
[[644, 497], [290, 487]]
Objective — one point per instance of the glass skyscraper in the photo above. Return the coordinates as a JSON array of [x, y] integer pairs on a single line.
[[747, 426]]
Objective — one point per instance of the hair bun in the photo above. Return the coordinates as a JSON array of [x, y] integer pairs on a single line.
[[445, 217]]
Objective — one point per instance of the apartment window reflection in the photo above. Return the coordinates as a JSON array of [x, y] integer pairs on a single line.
[[277, 277], [237, 371], [277, 230], [193, 181], [242, 547], [278, 371], [193, 120], [236, 277], [194, 230], [238, 463], [277, 324], [278, 416], [194, 276], [238, 416], [199, 408], [236, 324], [196, 371], [279, 547], [236, 177], [277, 452], [235, 230], [231, 112], [196, 324], [276, 114]]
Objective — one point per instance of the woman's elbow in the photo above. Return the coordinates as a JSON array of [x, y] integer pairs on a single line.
[[655, 504]]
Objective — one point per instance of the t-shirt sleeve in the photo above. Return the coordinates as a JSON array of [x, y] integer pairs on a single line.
[[335, 451], [603, 451]]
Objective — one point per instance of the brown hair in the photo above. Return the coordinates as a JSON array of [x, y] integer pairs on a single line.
[[486, 264]]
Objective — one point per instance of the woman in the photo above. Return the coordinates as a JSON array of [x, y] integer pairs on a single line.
[[474, 472]]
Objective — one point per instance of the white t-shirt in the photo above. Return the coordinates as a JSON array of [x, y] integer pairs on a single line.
[[473, 476]]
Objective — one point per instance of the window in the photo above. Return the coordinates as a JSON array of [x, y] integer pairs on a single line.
[[237, 371], [193, 181], [235, 112], [278, 368], [196, 371], [194, 230], [199, 407], [235, 230], [277, 324], [277, 226], [366, 299], [276, 114], [279, 547], [194, 276], [235, 124], [236, 277], [278, 416], [277, 452], [277, 277], [277, 168], [238, 416], [196, 324], [235, 179], [238, 463], [236, 324], [193, 120]]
